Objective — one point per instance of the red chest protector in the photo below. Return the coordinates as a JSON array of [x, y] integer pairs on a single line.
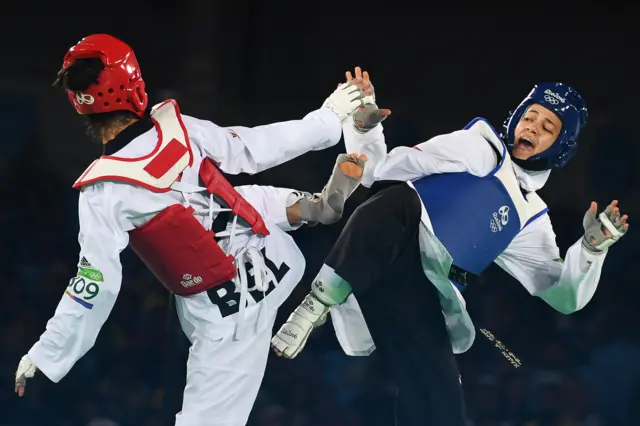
[[177, 249]]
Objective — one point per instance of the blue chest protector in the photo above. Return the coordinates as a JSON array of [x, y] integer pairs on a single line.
[[476, 218]]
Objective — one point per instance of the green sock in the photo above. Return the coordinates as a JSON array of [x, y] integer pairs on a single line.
[[329, 288]]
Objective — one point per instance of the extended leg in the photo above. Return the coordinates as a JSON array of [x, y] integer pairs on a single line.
[[375, 234], [377, 257]]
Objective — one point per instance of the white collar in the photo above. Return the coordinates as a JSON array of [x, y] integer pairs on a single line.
[[531, 180]]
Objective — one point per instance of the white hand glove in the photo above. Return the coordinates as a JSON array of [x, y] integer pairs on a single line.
[[26, 370], [368, 115], [346, 99], [603, 230]]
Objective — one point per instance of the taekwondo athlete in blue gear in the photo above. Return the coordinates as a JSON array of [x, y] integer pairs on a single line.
[[500, 210], [438, 214]]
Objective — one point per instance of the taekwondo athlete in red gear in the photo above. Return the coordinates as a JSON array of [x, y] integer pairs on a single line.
[[438, 215], [159, 186]]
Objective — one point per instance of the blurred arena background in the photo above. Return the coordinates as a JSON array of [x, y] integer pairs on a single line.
[[252, 62]]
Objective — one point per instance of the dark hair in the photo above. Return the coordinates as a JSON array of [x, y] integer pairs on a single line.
[[77, 77]]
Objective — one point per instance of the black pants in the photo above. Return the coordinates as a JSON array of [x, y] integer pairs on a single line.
[[379, 255]]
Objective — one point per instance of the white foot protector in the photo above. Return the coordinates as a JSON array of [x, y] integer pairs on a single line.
[[293, 335]]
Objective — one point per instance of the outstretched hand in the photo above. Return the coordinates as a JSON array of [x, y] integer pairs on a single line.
[[368, 115], [604, 229], [618, 221]]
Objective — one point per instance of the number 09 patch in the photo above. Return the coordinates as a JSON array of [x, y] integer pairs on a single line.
[[81, 290]]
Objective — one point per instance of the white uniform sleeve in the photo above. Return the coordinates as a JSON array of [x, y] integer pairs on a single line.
[[91, 294], [254, 149], [270, 202], [533, 258], [460, 151]]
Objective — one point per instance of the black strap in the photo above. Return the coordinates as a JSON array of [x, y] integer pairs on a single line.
[[462, 277]]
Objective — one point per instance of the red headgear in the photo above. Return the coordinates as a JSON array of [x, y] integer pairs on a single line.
[[120, 85]]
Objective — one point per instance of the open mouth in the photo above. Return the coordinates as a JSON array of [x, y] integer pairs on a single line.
[[525, 144]]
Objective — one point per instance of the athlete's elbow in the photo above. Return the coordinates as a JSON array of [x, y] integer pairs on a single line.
[[566, 310], [568, 306], [563, 304]]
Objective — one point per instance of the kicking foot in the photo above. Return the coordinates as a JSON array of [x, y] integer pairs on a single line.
[[293, 335]]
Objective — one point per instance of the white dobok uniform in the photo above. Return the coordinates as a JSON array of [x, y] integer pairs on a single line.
[[229, 346], [532, 257]]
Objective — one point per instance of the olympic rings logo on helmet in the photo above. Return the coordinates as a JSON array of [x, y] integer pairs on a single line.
[[84, 98], [551, 100]]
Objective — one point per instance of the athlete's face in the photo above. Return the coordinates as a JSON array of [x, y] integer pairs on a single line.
[[537, 130]]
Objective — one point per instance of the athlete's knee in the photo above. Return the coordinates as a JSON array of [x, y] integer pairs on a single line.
[[396, 202], [409, 200]]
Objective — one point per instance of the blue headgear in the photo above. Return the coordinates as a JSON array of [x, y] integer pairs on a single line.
[[569, 106]]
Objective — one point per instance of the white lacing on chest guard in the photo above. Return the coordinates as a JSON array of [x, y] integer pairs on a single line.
[[246, 254]]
